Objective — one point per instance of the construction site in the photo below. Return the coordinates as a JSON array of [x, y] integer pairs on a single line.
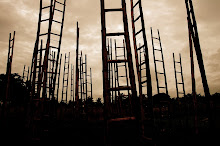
[[64, 94]]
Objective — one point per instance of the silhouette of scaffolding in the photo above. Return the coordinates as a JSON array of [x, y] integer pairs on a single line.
[[179, 81], [56, 95], [65, 78], [8, 74], [77, 72], [157, 47], [141, 52], [195, 39], [105, 61], [42, 77], [25, 74], [90, 83], [72, 83]]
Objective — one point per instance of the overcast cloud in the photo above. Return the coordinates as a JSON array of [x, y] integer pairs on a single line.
[[169, 16]]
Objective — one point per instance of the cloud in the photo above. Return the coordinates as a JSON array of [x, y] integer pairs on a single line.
[[169, 16]]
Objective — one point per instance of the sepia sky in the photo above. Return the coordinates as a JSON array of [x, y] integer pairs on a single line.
[[169, 16]]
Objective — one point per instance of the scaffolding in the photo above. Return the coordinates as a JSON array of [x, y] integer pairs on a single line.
[[157, 47]]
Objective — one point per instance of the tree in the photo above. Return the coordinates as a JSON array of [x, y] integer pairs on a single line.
[[17, 90]]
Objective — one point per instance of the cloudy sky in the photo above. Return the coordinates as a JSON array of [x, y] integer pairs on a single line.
[[169, 16]]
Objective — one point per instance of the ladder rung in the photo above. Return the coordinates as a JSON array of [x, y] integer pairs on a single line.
[[121, 88], [55, 34], [144, 82], [138, 32], [140, 47], [42, 49], [117, 61], [180, 83], [142, 63], [122, 76], [44, 20], [158, 49], [178, 72], [120, 56], [45, 7], [137, 18], [120, 47], [113, 10], [136, 4], [159, 60], [43, 34], [161, 87], [59, 3], [160, 73], [58, 10], [143, 68], [115, 34], [57, 21], [54, 47], [180, 92]]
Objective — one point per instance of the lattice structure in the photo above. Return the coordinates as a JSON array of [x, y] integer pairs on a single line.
[[158, 62], [65, 78], [179, 71]]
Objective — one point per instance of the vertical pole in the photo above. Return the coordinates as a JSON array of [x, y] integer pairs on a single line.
[[174, 63], [58, 83], [193, 81], [81, 83], [77, 70], [23, 73], [105, 72], [129, 55], [64, 76], [86, 77], [91, 81], [27, 74]]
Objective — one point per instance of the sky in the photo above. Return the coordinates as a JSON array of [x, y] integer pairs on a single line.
[[169, 16]]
